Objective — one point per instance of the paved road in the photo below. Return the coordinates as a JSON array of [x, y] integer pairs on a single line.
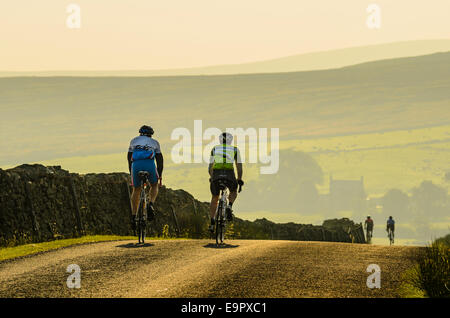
[[196, 268]]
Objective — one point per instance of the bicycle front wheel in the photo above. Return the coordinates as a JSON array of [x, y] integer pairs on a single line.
[[141, 225], [219, 229]]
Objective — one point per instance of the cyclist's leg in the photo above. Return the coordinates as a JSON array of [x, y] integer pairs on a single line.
[[135, 196], [232, 196], [232, 185], [135, 182], [150, 167], [153, 179], [215, 191], [213, 205]]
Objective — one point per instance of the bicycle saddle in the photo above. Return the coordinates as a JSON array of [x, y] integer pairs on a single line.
[[143, 174], [221, 184]]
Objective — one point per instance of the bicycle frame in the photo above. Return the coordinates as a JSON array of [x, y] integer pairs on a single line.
[[369, 235], [143, 197], [219, 216], [391, 236], [224, 200], [142, 210]]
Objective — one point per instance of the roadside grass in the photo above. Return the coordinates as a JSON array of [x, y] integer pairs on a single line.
[[407, 288], [28, 249], [430, 277]]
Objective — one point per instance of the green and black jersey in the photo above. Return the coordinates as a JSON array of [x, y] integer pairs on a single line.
[[223, 157]]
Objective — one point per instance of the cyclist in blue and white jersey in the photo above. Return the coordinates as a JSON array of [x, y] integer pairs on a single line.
[[142, 154]]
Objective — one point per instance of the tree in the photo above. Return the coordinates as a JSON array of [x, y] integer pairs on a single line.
[[396, 203], [292, 188], [430, 201]]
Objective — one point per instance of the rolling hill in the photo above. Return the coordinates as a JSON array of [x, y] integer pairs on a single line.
[[300, 62], [45, 118]]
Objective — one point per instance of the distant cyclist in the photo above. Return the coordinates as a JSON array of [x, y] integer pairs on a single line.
[[142, 153], [390, 225], [368, 224], [221, 168]]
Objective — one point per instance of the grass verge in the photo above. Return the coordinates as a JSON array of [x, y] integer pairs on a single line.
[[407, 288], [28, 249], [430, 277]]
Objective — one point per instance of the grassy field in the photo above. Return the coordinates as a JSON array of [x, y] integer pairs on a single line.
[[62, 117], [397, 159]]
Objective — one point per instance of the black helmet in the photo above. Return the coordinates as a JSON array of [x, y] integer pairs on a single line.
[[226, 138], [146, 130]]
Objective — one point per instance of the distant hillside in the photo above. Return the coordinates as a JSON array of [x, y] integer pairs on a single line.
[[44, 118], [301, 62]]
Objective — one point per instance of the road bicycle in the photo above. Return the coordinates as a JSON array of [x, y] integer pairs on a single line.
[[141, 217], [391, 236], [369, 236], [220, 215]]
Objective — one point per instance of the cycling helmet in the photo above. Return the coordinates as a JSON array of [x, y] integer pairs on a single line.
[[146, 130], [390, 217], [368, 216], [226, 138]]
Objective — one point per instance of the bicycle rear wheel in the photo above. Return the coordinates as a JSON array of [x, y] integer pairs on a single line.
[[218, 231], [141, 224], [142, 231], [218, 220]]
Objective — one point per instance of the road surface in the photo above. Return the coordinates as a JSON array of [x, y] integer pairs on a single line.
[[197, 268]]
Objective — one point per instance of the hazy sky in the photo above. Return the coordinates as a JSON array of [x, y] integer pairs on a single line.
[[148, 34]]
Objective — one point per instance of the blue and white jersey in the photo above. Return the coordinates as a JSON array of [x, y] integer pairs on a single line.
[[390, 222], [144, 147]]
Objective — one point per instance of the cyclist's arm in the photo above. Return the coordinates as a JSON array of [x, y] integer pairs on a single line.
[[237, 158], [130, 154], [239, 170], [210, 170], [159, 163], [211, 163], [129, 160], [159, 159]]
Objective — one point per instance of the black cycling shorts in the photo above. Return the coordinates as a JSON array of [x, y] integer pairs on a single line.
[[228, 177]]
